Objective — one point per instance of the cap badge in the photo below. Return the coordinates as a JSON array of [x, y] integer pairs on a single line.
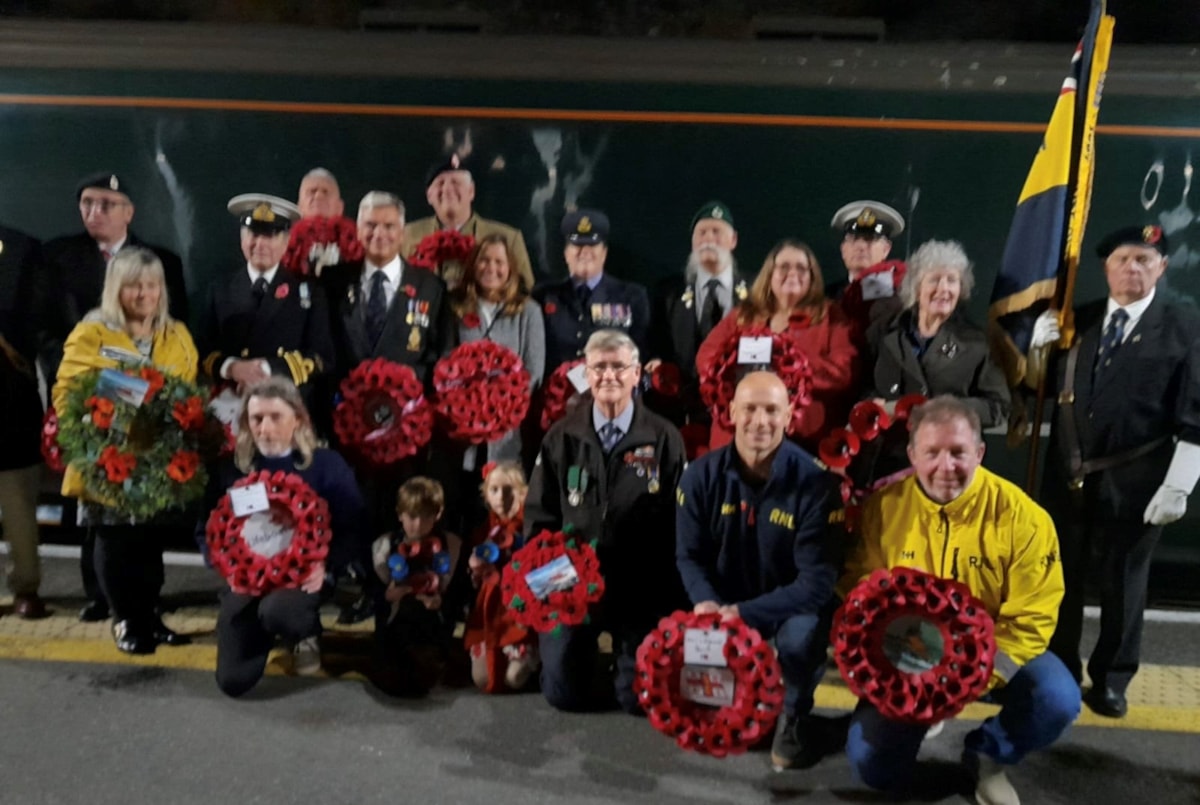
[[1152, 234], [866, 218], [113, 184], [263, 212], [584, 226], [454, 162], [718, 213]]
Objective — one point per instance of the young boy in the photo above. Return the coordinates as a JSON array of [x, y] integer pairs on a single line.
[[414, 564]]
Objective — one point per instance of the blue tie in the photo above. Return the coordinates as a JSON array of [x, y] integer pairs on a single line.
[[1110, 339], [610, 434], [376, 307]]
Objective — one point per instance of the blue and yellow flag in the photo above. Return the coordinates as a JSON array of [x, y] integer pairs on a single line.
[[1042, 251]]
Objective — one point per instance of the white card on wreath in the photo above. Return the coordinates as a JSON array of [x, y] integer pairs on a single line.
[[248, 500], [578, 378], [705, 647], [755, 349], [704, 685], [115, 385], [878, 286]]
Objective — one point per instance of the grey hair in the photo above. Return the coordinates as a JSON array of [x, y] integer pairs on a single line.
[[380, 198], [128, 266], [937, 254], [942, 410], [611, 340], [321, 173]]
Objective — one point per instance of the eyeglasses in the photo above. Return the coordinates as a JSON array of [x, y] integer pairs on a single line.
[[104, 205], [618, 369], [787, 268]]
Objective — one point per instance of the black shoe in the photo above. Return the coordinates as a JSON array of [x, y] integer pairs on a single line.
[[362, 608], [1106, 702], [796, 745], [94, 611], [132, 641], [165, 634]]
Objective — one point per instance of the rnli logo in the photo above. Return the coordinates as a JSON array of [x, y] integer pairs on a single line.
[[728, 508], [785, 519]]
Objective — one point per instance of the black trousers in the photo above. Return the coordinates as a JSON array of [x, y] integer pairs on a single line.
[[410, 649], [569, 668], [246, 629], [1122, 553], [129, 570]]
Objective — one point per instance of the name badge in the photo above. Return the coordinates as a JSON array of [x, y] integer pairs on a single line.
[[878, 286]]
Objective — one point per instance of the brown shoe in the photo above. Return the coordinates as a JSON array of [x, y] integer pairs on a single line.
[[29, 607]]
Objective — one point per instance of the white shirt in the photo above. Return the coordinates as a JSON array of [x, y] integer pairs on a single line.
[[391, 283], [268, 275], [1134, 310], [114, 248], [724, 292], [487, 312]]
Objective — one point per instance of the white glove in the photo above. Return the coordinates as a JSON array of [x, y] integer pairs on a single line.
[[1045, 330], [1170, 501]]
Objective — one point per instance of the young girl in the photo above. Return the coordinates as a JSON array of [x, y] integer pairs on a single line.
[[503, 654]]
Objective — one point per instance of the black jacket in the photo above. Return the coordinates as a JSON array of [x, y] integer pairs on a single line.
[[20, 427], [614, 303]]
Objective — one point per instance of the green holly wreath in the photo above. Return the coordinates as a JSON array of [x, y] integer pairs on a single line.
[[138, 459]]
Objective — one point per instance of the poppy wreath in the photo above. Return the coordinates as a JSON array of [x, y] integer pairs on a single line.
[[294, 505], [51, 452], [557, 393], [319, 242], [957, 678], [844, 449], [719, 378], [482, 391], [138, 460], [711, 730], [562, 607], [442, 246], [383, 415]]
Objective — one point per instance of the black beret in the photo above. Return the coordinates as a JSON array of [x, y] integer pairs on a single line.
[[1152, 236], [104, 181]]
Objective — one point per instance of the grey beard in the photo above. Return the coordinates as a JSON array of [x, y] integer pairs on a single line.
[[725, 260]]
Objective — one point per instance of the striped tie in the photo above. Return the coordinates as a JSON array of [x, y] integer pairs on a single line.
[[610, 434]]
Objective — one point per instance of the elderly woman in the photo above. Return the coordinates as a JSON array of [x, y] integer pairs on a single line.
[[789, 297], [131, 325], [929, 347], [276, 435], [493, 304]]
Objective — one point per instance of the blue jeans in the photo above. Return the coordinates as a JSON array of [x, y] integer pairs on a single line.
[[569, 667], [801, 641], [1037, 706]]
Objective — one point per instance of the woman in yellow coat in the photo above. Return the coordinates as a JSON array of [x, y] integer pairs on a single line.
[[131, 325]]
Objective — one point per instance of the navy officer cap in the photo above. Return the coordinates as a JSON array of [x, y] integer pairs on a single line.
[[104, 181], [1152, 236], [264, 214], [585, 227]]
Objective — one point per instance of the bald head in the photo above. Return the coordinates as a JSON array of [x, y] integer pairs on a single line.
[[761, 410]]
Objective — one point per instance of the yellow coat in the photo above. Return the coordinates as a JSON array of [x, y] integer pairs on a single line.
[[173, 352], [476, 227], [993, 537]]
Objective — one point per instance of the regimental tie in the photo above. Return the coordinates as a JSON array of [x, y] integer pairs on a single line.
[[260, 290], [1110, 340], [376, 307], [610, 434], [713, 312]]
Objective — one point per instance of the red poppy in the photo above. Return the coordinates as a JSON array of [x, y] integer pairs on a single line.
[[102, 411], [282, 291], [410, 291], [117, 466], [550, 308], [470, 320], [189, 413], [154, 378], [183, 466]]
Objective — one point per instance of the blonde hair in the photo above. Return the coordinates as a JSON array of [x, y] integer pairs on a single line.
[[762, 304], [507, 469], [127, 267], [514, 294], [420, 496], [304, 439]]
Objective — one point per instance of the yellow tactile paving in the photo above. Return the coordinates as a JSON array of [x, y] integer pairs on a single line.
[[1162, 698]]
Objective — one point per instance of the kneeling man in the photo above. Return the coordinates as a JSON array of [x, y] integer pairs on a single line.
[[957, 520], [755, 541]]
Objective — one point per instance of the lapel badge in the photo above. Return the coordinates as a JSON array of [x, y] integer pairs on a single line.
[[688, 298], [350, 295], [741, 290], [305, 296], [950, 349]]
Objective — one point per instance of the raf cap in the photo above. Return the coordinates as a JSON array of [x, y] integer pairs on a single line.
[[264, 214], [104, 181], [866, 217], [1152, 236], [713, 209], [585, 227], [451, 165]]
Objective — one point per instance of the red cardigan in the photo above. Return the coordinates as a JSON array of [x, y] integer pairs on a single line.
[[833, 356]]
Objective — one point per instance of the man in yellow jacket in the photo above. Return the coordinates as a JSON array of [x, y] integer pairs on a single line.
[[957, 520]]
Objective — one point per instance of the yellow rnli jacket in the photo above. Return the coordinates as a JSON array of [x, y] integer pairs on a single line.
[[993, 537], [172, 352]]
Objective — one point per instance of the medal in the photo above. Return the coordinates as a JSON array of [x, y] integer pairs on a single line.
[[575, 497], [653, 486], [414, 340], [576, 485]]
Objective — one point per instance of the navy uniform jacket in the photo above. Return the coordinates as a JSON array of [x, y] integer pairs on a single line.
[[614, 304], [418, 343], [776, 551], [1150, 391], [626, 505], [73, 282], [290, 330], [20, 427]]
